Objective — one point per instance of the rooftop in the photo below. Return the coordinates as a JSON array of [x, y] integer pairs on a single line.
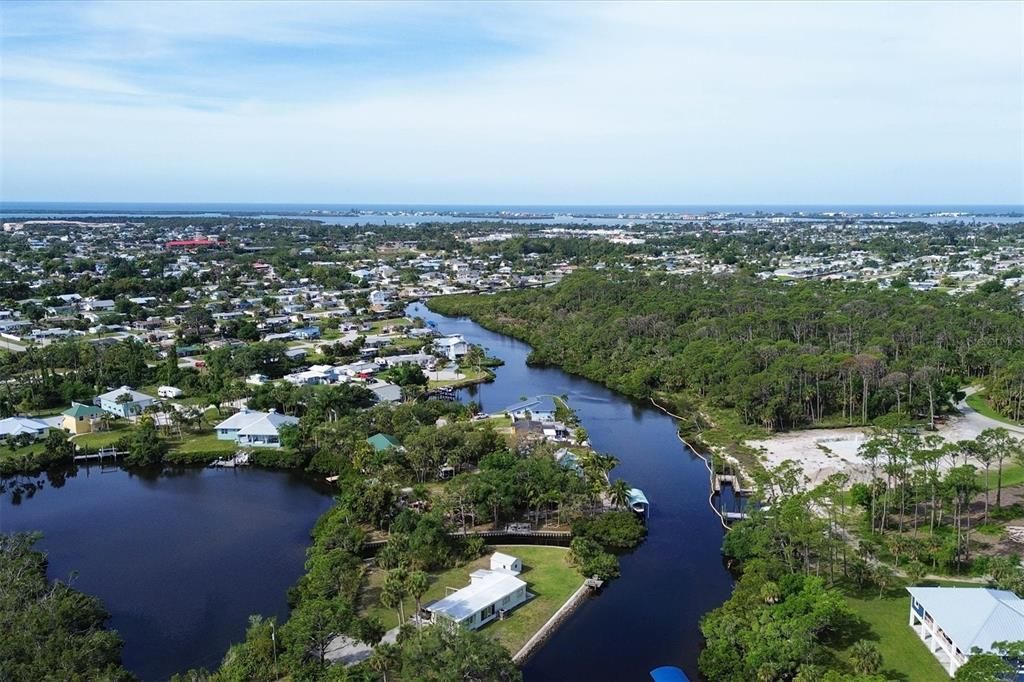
[[974, 616], [481, 593]]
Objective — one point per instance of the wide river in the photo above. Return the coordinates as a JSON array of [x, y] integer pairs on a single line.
[[182, 559]]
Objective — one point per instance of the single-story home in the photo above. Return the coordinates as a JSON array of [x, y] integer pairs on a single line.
[[489, 593], [307, 333], [952, 621], [250, 428], [81, 418], [13, 427], [124, 402]]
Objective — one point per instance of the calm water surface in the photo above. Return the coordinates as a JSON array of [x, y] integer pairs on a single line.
[[181, 559], [649, 616]]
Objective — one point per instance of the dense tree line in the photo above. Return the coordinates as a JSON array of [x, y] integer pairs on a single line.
[[50, 631], [781, 355]]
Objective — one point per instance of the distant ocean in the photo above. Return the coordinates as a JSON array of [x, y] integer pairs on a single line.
[[64, 207], [400, 214]]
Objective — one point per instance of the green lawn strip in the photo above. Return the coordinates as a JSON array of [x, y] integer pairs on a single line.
[[979, 404], [469, 376], [206, 442], [548, 576], [1013, 475], [390, 322], [103, 439], [904, 656], [22, 453]]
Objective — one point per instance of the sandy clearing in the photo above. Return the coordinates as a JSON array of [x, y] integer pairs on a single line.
[[823, 452]]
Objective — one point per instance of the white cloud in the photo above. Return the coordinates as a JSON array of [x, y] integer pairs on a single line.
[[611, 103]]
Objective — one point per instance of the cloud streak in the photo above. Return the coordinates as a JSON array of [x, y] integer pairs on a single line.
[[596, 103]]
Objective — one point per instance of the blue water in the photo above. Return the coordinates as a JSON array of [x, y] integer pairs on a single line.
[[399, 214], [649, 616], [181, 559]]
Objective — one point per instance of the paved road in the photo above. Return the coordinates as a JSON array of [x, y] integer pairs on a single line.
[[980, 422]]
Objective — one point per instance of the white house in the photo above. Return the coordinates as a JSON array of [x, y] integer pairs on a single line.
[[169, 392], [489, 593], [257, 379], [250, 428], [18, 426], [123, 402], [952, 621], [452, 347]]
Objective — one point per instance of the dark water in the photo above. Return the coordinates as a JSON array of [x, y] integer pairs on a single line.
[[649, 616], [181, 560]]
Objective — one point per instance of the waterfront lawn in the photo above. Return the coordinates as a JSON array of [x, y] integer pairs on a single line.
[[470, 376], [547, 573], [207, 442], [885, 619], [103, 439], [14, 458], [979, 404]]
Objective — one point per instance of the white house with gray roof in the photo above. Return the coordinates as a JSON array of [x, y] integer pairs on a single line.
[[124, 402], [250, 428], [952, 621]]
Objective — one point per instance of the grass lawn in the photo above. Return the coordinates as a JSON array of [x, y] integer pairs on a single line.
[[103, 439], [1013, 474], [546, 571], [980, 405], [470, 376], [498, 422], [905, 657], [207, 442], [6, 453], [390, 322]]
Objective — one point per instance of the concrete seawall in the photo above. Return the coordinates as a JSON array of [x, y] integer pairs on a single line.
[[545, 631]]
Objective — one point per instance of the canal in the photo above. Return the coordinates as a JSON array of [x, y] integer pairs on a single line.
[[650, 615], [183, 557]]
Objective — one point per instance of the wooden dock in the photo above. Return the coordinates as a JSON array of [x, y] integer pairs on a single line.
[[101, 455], [720, 480]]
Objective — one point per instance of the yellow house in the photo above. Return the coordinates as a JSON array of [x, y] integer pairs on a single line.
[[81, 418]]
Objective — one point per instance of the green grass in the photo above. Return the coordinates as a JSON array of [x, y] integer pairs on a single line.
[[905, 657], [103, 439], [471, 376], [19, 455], [1013, 474], [207, 442], [546, 571], [979, 404]]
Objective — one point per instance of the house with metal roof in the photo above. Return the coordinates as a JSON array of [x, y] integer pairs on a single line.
[[489, 594], [250, 428], [124, 402], [13, 427], [81, 418], [953, 621]]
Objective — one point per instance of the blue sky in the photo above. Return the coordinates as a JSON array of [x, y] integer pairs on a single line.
[[513, 103]]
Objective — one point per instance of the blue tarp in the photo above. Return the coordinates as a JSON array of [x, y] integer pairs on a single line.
[[668, 673]]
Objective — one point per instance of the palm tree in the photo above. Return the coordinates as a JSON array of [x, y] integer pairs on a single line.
[[865, 657], [381, 658], [618, 493], [416, 585]]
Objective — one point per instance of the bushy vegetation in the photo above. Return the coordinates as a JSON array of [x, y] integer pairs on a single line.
[[50, 631], [780, 355]]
